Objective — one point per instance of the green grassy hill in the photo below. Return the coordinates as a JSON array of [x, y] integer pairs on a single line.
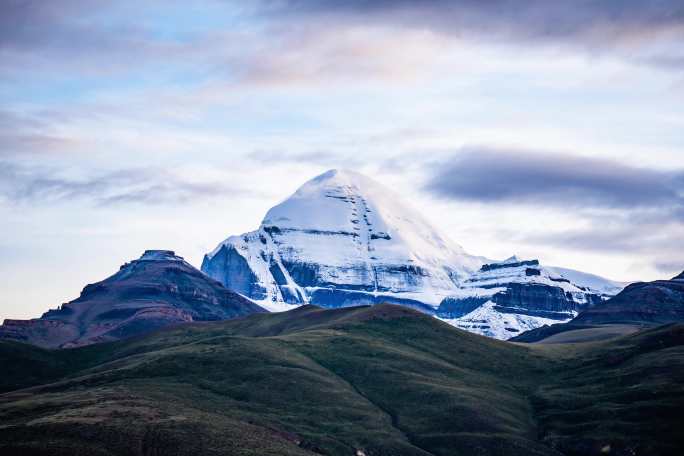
[[382, 380]]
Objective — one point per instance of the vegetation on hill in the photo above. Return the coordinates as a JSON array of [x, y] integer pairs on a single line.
[[382, 380]]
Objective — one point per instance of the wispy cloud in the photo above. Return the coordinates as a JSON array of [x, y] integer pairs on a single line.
[[314, 53], [672, 267], [23, 134], [86, 38], [657, 242], [322, 158], [653, 27], [31, 185], [321, 40]]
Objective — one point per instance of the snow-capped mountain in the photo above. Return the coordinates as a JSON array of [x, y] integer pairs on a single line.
[[343, 239]]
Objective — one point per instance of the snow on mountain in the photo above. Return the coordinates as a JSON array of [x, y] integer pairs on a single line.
[[486, 320], [343, 239], [522, 271], [506, 298], [587, 280]]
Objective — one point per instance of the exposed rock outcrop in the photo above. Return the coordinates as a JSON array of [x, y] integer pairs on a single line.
[[657, 302], [157, 290], [507, 298], [639, 304]]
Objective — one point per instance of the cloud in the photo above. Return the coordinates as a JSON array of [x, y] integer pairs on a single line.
[[654, 28], [28, 185], [81, 38], [295, 41], [316, 157], [27, 23], [603, 206], [70, 38], [625, 19], [652, 242], [670, 267], [21, 134], [16, 144], [645, 239], [313, 52], [559, 180]]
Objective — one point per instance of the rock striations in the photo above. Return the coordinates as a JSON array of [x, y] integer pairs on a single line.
[[639, 305], [342, 239], [657, 302]]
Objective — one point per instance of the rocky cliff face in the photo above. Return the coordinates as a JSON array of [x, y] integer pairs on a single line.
[[342, 239], [658, 302], [506, 298], [639, 305], [157, 290]]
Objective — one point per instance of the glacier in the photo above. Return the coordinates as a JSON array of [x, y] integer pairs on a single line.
[[344, 239]]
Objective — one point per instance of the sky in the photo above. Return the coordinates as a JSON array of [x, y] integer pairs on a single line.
[[549, 130]]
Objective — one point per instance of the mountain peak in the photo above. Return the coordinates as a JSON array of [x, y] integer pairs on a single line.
[[336, 174], [343, 182], [341, 236], [156, 290], [160, 255], [511, 259], [348, 203]]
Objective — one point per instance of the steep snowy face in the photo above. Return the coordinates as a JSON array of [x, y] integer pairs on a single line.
[[369, 217], [504, 299], [341, 239]]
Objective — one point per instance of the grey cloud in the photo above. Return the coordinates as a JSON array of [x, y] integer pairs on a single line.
[[624, 209], [670, 267], [660, 245], [543, 178], [62, 25], [672, 62], [63, 34], [21, 184], [66, 35], [17, 144], [531, 18], [649, 239], [22, 134], [26, 23], [596, 26]]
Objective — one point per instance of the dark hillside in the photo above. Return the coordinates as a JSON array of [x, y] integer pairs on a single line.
[[368, 380]]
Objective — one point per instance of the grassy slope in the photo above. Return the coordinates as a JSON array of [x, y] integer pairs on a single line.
[[384, 380], [591, 334]]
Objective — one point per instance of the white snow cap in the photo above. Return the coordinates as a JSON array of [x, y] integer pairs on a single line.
[[344, 201], [359, 234]]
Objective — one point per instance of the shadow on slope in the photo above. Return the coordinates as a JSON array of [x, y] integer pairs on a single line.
[[377, 380]]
